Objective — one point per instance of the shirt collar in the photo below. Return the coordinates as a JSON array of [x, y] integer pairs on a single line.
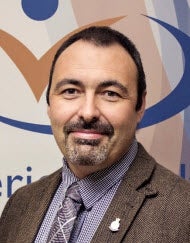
[[96, 185], [68, 177]]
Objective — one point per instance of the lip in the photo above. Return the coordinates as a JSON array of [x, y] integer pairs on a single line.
[[87, 134]]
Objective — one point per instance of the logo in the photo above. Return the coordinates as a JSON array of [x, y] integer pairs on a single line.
[[39, 9], [37, 74]]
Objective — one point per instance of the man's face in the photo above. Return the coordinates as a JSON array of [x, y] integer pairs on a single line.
[[92, 105]]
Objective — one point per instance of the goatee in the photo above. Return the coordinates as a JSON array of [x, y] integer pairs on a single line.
[[87, 151]]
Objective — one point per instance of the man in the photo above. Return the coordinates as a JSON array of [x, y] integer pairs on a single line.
[[96, 98]]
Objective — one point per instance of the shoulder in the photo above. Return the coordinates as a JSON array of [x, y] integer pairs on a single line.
[[165, 181], [30, 194], [50, 181], [26, 208], [176, 188]]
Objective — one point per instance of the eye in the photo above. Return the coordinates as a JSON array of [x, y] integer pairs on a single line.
[[111, 95], [70, 93]]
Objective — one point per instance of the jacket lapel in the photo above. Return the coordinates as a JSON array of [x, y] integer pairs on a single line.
[[132, 192]]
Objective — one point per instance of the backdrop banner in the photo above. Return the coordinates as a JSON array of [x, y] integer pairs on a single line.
[[32, 30]]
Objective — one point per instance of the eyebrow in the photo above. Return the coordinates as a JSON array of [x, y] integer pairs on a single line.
[[115, 83], [67, 81], [104, 84]]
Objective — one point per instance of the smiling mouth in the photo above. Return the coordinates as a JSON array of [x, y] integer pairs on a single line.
[[87, 134], [91, 131], [87, 137]]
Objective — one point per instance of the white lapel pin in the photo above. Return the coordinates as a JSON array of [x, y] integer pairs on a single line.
[[114, 226]]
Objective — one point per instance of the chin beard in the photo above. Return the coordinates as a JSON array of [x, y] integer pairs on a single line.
[[86, 153]]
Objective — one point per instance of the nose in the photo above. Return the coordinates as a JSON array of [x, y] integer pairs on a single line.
[[89, 109]]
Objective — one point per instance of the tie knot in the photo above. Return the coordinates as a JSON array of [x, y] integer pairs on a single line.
[[73, 193]]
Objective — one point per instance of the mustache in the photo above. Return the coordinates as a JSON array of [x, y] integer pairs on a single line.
[[95, 125]]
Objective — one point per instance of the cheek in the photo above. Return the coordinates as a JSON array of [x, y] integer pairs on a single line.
[[122, 118], [60, 113]]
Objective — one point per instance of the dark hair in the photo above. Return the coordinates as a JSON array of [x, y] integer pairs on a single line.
[[105, 36]]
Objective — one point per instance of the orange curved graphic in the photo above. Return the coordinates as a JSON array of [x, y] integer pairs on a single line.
[[36, 72]]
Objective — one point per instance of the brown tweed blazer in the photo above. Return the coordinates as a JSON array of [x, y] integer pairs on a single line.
[[152, 203]]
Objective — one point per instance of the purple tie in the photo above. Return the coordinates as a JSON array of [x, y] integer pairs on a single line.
[[64, 221]]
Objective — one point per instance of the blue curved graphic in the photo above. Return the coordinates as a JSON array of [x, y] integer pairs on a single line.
[[46, 129], [179, 98], [174, 103], [39, 9]]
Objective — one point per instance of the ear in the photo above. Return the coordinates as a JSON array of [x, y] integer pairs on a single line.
[[141, 111]]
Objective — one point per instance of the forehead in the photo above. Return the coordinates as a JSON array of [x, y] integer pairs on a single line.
[[84, 57]]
